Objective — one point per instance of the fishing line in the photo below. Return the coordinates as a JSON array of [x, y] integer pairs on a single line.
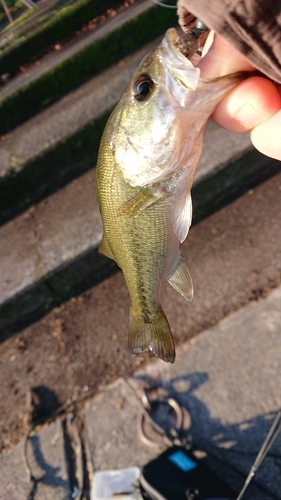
[[164, 5]]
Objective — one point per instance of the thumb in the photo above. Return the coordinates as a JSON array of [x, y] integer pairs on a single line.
[[266, 137]]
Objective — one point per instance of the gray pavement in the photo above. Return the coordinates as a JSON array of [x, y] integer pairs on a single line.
[[227, 381], [47, 461]]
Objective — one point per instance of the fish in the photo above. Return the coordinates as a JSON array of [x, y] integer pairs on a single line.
[[146, 166]]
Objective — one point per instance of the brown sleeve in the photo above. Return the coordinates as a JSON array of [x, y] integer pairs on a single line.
[[251, 26]]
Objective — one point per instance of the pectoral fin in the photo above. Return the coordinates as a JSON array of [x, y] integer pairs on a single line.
[[141, 200], [180, 278], [105, 249]]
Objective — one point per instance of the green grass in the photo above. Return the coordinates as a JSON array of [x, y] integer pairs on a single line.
[[14, 6]]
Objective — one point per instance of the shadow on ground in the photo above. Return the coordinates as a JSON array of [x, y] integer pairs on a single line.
[[235, 445]]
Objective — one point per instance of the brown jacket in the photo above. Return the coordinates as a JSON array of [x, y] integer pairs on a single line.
[[251, 26]]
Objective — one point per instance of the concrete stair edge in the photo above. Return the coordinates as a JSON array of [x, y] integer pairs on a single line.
[[66, 272]]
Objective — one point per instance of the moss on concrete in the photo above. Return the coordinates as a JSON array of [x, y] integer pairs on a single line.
[[93, 59], [49, 30], [31, 181]]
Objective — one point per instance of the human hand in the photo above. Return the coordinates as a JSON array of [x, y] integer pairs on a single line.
[[253, 105]]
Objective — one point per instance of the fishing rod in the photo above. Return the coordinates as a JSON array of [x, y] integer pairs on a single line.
[[271, 437]]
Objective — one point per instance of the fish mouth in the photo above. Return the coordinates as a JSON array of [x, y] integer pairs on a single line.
[[175, 55], [182, 46]]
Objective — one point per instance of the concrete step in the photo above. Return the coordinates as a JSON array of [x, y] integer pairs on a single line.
[[49, 252], [234, 257], [62, 141], [51, 60], [58, 75]]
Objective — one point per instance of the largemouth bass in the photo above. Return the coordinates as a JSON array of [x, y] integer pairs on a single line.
[[146, 166]]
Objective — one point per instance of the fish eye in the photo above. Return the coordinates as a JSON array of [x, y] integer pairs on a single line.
[[142, 87]]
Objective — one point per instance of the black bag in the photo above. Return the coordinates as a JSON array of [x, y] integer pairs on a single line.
[[178, 475]]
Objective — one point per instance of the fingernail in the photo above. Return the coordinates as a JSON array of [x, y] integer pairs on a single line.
[[249, 116]]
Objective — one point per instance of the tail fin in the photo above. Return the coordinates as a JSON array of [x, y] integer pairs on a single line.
[[155, 336]]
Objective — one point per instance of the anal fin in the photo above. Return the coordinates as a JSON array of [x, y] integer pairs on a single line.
[[180, 278]]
